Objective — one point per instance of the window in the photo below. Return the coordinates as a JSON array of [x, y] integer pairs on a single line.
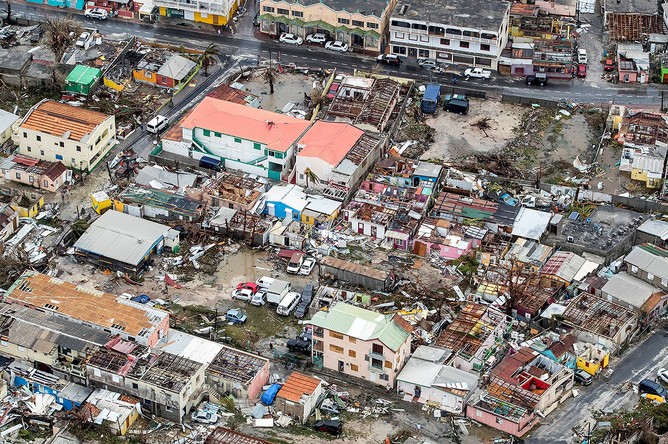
[[297, 14], [376, 363], [664, 282], [18, 175], [634, 269], [413, 37], [401, 24], [335, 349], [471, 34], [257, 146], [399, 35], [25, 135], [206, 133], [388, 364], [445, 42], [59, 157], [463, 44], [41, 152], [424, 38], [283, 11], [419, 26], [20, 348], [488, 36], [46, 183], [352, 340], [358, 23], [343, 21], [169, 408], [78, 148], [164, 79], [352, 353], [62, 144], [499, 420], [377, 348], [385, 377], [217, 135], [237, 140], [335, 335], [453, 31], [424, 53], [97, 372], [372, 25], [135, 385], [29, 150], [354, 367], [484, 47], [279, 155], [267, 9], [39, 138], [399, 50]]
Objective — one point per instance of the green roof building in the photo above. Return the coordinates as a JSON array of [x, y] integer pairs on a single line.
[[81, 79], [361, 342]]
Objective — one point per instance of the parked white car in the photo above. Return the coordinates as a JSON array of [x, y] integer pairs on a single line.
[[243, 294], [582, 56], [290, 39], [663, 375], [83, 38], [321, 39], [204, 417], [97, 13], [307, 266], [337, 46], [259, 298], [427, 63], [477, 73]]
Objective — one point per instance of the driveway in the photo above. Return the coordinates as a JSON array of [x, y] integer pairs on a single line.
[[641, 362]]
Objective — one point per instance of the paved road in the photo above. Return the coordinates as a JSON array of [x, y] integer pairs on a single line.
[[244, 45], [637, 364]]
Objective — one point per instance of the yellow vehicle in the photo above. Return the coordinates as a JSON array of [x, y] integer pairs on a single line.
[[656, 398]]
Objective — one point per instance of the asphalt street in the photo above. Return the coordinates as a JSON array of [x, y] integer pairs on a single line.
[[245, 46], [641, 362]]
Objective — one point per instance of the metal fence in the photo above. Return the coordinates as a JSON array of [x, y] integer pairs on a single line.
[[512, 98]]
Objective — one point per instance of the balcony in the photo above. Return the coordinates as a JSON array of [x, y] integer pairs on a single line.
[[318, 332], [206, 7], [318, 346]]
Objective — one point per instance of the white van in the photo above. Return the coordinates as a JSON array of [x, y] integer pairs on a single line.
[[288, 303], [157, 124], [265, 282], [582, 56]]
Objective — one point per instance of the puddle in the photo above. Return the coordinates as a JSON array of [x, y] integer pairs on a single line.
[[287, 88], [572, 138]]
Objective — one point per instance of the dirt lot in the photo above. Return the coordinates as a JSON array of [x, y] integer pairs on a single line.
[[287, 88], [457, 136]]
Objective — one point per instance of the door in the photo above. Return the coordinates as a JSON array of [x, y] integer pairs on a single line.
[[412, 52], [288, 213], [271, 210], [360, 228], [341, 366], [374, 231]]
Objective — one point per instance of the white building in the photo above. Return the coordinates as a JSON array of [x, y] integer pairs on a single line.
[[457, 32], [338, 154], [57, 132], [246, 139]]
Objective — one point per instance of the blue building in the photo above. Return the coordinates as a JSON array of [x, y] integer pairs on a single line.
[[426, 172], [285, 202], [67, 394]]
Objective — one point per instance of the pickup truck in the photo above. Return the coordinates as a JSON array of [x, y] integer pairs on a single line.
[[477, 73], [299, 345]]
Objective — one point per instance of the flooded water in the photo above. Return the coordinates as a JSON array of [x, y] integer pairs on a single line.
[[572, 138], [250, 265], [287, 88]]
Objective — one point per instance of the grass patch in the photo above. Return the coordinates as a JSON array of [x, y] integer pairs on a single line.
[[263, 322]]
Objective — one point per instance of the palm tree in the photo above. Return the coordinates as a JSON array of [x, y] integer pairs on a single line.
[[208, 57], [310, 175]]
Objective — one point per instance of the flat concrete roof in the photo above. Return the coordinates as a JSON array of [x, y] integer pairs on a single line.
[[475, 14]]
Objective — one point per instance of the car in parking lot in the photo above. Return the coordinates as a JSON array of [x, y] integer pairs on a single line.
[[318, 38], [583, 377], [427, 63], [236, 316], [336, 46], [259, 298], [204, 417], [252, 286], [389, 59], [97, 13], [290, 39], [608, 65], [243, 294], [331, 426], [307, 266]]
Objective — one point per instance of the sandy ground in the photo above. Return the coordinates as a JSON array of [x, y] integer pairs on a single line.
[[287, 88], [456, 137]]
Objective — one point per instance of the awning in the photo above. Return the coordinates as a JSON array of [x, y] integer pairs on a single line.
[[319, 24]]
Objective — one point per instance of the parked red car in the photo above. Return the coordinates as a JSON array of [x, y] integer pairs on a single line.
[[609, 65], [582, 70], [332, 90], [252, 286]]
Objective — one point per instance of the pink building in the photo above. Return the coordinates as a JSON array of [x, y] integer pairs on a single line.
[[439, 236], [40, 174], [361, 343]]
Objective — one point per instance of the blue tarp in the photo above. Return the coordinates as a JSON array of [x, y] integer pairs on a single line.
[[269, 396]]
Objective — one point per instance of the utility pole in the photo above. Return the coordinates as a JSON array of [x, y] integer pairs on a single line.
[[215, 326]]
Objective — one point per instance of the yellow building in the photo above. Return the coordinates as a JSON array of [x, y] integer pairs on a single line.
[[320, 211], [100, 202], [592, 358], [647, 169], [365, 30], [212, 12], [28, 205]]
